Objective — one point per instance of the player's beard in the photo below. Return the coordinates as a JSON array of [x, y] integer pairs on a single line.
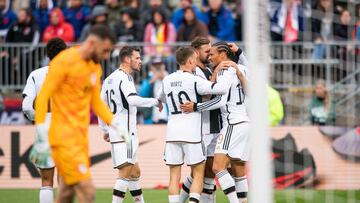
[[94, 57], [204, 61]]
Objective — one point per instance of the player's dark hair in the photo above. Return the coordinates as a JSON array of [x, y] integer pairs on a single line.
[[127, 51], [199, 41], [103, 32], [183, 54], [54, 46], [223, 47]]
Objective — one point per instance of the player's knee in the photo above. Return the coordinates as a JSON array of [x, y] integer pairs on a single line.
[[216, 168], [90, 194], [135, 173]]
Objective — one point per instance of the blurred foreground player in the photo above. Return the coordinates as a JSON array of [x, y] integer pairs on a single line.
[[73, 83], [31, 90]]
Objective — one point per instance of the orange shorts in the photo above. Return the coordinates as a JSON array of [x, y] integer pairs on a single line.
[[73, 163]]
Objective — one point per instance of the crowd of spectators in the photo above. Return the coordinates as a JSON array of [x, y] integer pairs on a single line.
[[153, 21], [134, 20]]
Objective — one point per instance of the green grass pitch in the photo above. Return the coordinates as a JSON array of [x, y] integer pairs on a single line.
[[160, 196]]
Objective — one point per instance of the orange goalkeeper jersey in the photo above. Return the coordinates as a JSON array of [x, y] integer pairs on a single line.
[[73, 84]]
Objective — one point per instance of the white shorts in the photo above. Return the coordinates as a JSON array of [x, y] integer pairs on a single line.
[[122, 155], [209, 141], [176, 152], [234, 141]]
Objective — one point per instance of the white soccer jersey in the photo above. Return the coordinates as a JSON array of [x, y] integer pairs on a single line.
[[233, 109], [211, 120], [32, 89], [179, 87], [119, 93]]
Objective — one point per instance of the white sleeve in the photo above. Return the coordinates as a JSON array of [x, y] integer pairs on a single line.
[[132, 98], [102, 124], [215, 103], [224, 79], [160, 94], [29, 95], [243, 60]]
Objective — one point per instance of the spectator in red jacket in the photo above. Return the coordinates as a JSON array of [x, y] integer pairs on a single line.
[[58, 27]]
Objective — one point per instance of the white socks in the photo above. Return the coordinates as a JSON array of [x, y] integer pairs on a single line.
[[208, 194], [194, 198], [227, 184], [135, 190], [46, 194], [241, 188], [174, 198], [119, 191], [185, 190]]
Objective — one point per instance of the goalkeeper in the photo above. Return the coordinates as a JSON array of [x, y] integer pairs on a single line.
[[73, 84], [32, 88]]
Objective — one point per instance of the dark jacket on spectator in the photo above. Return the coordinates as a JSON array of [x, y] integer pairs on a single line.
[[342, 32], [189, 32], [78, 17], [132, 34], [7, 18], [21, 32], [221, 24]]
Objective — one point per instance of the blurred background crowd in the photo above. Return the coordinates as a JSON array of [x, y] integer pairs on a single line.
[[166, 21]]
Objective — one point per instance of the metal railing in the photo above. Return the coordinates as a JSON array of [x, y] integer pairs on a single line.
[[294, 69]]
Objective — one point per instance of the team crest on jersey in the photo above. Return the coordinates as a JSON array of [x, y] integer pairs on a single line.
[[82, 168], [93, 79]]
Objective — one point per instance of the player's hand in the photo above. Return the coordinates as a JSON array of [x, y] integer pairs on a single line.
[[234, 48], [187, 107], [227, 64], [160, 105], [121, 132], [106, 137], [40, 152]]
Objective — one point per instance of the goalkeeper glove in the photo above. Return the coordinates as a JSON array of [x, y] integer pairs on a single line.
[[40, 152]]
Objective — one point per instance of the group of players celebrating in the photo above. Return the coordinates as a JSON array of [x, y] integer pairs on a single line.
[[208, 124]]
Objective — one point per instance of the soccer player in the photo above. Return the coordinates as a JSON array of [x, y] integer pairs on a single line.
[[210, 126], [211, 120], [73, 84], [119, 92], [232, 146], [31, 90], [183, 136]]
